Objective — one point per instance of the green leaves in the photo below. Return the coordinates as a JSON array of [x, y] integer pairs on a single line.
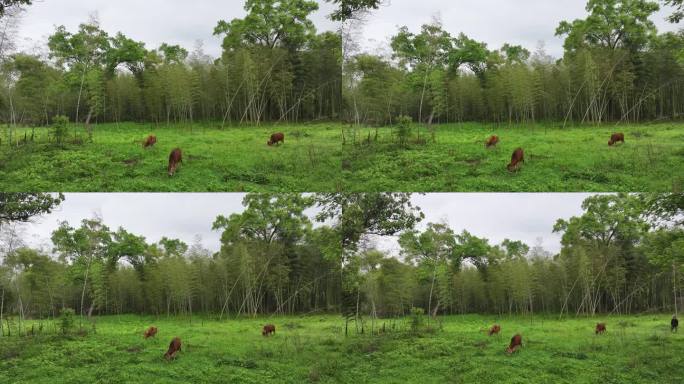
[[611, 24], [270, 23], [351, 9], [20, 207]]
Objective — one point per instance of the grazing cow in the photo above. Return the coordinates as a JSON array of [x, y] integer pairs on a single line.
[[517, 158], [277, 138], [268, 329], [495, 330], [151, 141], [516, 342], [174, 347], [600, 328], [175, 158], [151, 332], [615, 138], [674, 324], [492, 142]]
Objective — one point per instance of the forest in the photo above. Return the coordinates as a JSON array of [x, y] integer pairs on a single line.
[[270, 70], [621, 256], [272, 260], [616, 67], [343, 310], [420, 109], [80, 105]]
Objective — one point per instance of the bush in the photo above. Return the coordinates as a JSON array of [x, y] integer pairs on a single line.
[[66, 320], [403, 129], [417, 318], [59, 129]]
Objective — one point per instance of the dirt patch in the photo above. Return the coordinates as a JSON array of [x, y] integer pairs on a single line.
[[131, 162]]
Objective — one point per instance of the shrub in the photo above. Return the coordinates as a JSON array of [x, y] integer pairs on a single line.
[[403, 129], [66, 320], [59, 129], [417, 318]]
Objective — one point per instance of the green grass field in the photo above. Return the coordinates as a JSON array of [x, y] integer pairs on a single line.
[[214, 159], [574, 159], [314, 349]]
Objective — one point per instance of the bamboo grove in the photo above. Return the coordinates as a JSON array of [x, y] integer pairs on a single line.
[[273, 260], [274, 67], [616, 67], [623, 255]]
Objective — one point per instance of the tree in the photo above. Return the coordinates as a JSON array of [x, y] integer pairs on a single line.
[[7, 4], [84, 52], [128, 52], [678, 13], [434, 249], [271, 24], [87, 248], [471, 53], [428, 52], [351, 9], [21, 207], [357, 215], [611, 24]]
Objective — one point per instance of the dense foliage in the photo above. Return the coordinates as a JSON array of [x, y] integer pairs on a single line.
[[272, 260], [623, 255], [274, 67], [616, 67]]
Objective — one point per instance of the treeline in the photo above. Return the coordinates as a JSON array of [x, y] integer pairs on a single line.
[[274, 67], [273, 260], [623, 255], [616, 67]]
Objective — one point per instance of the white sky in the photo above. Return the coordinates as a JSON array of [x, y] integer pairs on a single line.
[[522, 22], [182, 216], [524, 217], [152, 21], [153, 215], [497, 216]]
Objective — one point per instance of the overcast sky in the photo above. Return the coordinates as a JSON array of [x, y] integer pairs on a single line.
[[524, 217], [153, 215], [515, 216], [182, 215], [152, 21], [523, 22]]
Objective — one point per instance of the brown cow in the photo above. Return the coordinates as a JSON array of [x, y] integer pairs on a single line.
[[600, 328], [174, 347], [516, 342], [495, 330], [151, 332], [175, 158], [151, 141], [492, 142], [268, 329], [517, 158], [277, 138], [615, 138]]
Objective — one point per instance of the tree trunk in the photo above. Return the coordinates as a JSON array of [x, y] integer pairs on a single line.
[[88, 127], [432, 286], [2, 311], [674, 285]]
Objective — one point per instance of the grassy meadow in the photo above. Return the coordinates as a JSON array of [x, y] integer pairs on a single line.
[[571, 159], [637, 349], [232, 159]]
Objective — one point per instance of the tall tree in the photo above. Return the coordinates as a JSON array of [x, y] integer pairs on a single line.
[[611, 24], [270, 23]]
